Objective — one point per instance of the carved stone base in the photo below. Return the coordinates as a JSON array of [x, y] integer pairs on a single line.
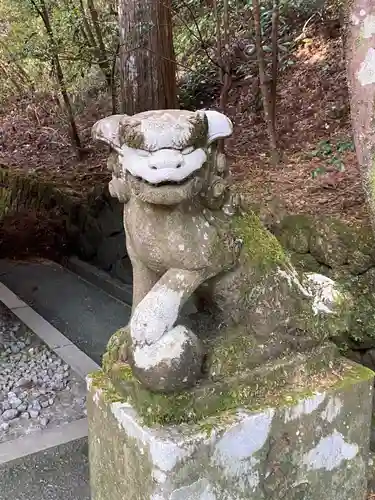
[[310, 443]]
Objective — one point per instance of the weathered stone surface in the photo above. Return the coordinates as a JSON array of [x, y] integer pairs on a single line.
[[307, 263], [326, 242], [188, 235], [294, 233], [298, 446], [176, 363]]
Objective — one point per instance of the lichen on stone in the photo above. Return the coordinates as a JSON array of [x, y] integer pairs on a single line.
[[199, 129], [131, 137]]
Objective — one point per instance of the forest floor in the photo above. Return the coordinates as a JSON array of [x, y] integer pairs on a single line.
[[319, 173]]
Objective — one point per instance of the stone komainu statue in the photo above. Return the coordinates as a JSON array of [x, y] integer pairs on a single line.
[[188, 235]]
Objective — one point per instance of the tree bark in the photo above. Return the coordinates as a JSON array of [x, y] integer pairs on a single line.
[[360, 55], [264, 84], [113, 81], [104, 61], [86, 26], [224, 62], [147, 60]]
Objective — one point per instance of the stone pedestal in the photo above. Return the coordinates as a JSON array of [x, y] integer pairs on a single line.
[[298, 446]]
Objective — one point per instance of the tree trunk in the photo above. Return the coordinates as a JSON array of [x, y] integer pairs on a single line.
[[86, 26], [103, 57], [360, 54], [264, 84], [275, 60], [147, 60], [97, 45], [44, 14], [113, 81], [224, 62]]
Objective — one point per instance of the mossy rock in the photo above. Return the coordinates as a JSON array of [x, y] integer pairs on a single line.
[[294, 233], [335, 244], [117, 348], [359, 262], [305, 262], [21, 191], [360, 333], [330, 242]]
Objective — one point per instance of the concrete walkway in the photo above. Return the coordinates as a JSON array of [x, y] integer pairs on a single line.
[[85, 314], [76, 319], [59, 473]]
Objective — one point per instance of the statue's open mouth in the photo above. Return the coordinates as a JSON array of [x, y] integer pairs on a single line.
[[164, 183], [165, 192]]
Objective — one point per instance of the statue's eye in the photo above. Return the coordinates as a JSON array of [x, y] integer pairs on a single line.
[[143, 153], [187, 151]]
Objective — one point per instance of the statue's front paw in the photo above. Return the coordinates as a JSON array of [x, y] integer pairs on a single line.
[[173, 363], [154, 316]]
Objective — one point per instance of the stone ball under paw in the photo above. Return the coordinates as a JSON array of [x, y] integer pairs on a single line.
[[172, 363]]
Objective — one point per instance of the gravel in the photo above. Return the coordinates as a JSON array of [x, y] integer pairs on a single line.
[[37, 388]]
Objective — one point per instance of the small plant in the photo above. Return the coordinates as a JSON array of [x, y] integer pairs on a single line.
[[332, 154]]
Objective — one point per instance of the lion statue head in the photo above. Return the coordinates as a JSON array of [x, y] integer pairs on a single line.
[[164, 156]]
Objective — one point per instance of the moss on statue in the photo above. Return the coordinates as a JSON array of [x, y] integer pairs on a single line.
[[117, 348], [233, 380], [196, 406], [230, 354], [261, 247]]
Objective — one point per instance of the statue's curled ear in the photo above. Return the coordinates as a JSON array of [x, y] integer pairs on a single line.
[[219, 126], [107, 130]]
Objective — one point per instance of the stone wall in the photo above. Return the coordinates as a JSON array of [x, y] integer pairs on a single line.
[[326, 245], [347, 255], [98, 235], [93, 223]]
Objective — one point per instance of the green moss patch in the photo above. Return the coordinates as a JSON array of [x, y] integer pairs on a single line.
[[117, 348], [261, 247], [271, 384]]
